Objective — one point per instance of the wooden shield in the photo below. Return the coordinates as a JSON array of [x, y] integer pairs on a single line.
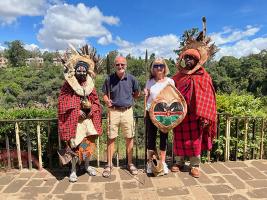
[[168, 109]]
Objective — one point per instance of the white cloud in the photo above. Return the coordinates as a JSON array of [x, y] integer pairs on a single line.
[[162, 46], [105, 40], [2, 48], [243, 48], [31, 47], [231, 42], [237, 43], [66, 23], [231, 35], [10, 10]]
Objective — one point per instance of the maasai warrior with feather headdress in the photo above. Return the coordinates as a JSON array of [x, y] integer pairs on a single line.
[[79, 109], [198, 128]]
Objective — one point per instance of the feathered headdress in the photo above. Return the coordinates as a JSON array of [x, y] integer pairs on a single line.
[[201, 43], [70, 60]]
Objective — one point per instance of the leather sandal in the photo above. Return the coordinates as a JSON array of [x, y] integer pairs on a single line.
[[132, 169], [107, 171]]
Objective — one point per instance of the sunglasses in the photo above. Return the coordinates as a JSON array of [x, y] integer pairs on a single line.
[[161, 66], [120, 64]]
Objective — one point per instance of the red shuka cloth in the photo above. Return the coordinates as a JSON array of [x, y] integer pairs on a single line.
[[69, 111], [190, 137]]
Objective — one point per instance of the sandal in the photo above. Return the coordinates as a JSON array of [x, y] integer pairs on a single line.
[[107, 171], [132, 169]]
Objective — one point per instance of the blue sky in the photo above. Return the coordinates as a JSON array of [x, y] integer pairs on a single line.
[[237, 27]]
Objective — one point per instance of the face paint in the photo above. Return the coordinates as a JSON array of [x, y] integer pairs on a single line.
[[81, 73]]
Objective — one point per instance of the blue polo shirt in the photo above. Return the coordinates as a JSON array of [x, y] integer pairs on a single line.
[[121, 90]]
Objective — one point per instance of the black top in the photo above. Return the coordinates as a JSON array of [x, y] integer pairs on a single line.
[[121, 90]]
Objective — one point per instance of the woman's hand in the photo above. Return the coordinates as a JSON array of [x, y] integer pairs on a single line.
[[146, 92]]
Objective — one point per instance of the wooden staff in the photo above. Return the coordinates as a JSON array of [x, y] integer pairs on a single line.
[[204, 27], [145, 130], [108, 120]]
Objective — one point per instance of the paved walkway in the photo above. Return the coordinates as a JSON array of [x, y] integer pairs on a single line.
[[219, 181]]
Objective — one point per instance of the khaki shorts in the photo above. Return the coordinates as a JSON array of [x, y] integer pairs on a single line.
[[122, 119]]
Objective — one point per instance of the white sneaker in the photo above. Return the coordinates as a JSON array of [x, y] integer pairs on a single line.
[[73, 177], [148, 168], [91, 171], [165, 168]]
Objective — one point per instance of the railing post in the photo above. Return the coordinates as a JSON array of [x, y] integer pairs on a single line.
[[118, 149], [236, 136], [18, 145], [245, 139], [135, 142], [39, 146], [59, 146], [208, 156], [8, 152], [49, 144], [218, 133], [227, 138], [97, 144], [253, 138], [262, 136], [29, 147]]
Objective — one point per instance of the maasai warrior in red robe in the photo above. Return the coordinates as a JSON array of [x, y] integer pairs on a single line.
[[198, 128], [79, 110]]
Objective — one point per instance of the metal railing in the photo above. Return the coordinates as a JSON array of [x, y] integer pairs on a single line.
[[42, 135]]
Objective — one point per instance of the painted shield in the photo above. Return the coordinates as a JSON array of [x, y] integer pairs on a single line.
[[168, 109]]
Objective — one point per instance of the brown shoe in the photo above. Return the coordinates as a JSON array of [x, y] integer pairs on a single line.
[[195, 172]]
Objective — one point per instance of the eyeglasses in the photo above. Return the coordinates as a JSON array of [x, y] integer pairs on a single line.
[[161, 66], [120, 64]]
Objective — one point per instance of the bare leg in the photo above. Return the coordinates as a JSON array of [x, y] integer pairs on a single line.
[[111, 146], [129, 148], [163, 160], [163, 156], [73, 176]]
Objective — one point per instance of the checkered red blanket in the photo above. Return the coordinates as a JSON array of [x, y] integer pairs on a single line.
[[69, 112]]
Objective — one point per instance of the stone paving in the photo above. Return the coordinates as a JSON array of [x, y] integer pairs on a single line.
[[219, 181]]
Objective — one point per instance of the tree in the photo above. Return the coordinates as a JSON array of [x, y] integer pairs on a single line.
[[15, 53], [231, 65], [48, 56], [108, 64], [111, 58], [152, 57]]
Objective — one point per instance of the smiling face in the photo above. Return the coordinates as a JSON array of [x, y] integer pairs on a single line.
[[120, 65], [158, 70]]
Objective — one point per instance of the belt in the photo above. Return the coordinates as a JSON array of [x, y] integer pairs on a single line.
[[120, 108]]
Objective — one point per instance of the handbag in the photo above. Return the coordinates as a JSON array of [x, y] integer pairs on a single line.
[[65, 155]]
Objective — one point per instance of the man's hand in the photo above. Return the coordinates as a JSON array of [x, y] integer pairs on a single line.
[[107, 101], [204, 123], [136, 94]]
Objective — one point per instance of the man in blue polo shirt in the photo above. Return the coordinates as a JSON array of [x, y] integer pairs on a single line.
[[120, 89]]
